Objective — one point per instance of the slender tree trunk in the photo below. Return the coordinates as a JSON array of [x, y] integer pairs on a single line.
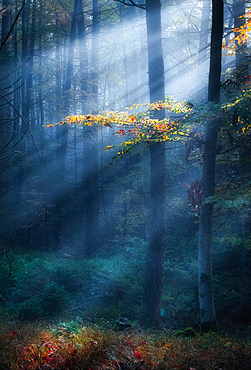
[[6, 21], [25, 15], [206, 298], [5, 65], [5, 111], [69, 69], [29, 83], [150, 316], [95, 52], [155, 53], [63, 133], [204, 44], [6, 61], [216, 52], [40, 75], [62, 139], [58, 77], [83, 57], [91, 194], [125, 59]]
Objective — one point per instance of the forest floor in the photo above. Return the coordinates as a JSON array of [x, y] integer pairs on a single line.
[[74, 346]]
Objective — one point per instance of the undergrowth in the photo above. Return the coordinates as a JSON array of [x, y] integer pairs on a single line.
[[75, 346]]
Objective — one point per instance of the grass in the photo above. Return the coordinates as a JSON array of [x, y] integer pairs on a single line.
[[74, 346]]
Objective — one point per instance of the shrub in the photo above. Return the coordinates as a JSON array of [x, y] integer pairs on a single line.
[[52, 302]]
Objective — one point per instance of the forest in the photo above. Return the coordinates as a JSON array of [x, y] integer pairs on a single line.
[[125, 184]]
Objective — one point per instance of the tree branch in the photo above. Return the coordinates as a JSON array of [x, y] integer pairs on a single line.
[[11, 29], [131, 3]]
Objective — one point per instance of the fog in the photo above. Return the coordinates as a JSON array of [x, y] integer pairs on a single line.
[[75, 221]]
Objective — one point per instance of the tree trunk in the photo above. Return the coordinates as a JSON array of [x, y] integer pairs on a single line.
[[125, 58], [95, 29], [5, 112], [83, 57], [69, 69], [5, 63], [6, 21], [40, 91], [25, 16], [203, 45], [150, 316], [206, 299], [29, 80], [58, 76], [216, 52], [155, 52]]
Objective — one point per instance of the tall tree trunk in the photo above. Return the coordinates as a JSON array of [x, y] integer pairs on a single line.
[[6, 21], [40, 75], [29, 83], [203, 44], [5, 129], [155, 53], [58, 76], [95, 52], [91, 193], [83, 57], [62, 135], [25, 16], [69, 68], [150, 316], [125, 59], [5, 65], [206, 298], [62, 139], [216, 51]]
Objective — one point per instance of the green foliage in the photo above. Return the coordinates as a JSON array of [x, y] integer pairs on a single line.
[[186, 333], [68, 328], [44, 288], [50, 303]]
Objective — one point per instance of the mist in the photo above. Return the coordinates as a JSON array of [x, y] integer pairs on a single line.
[[76, 220]]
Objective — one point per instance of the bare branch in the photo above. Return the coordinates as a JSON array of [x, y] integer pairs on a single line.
[[3, 42], [131, 3]]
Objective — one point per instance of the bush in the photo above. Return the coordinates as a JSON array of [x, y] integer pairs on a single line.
[[52, 302]]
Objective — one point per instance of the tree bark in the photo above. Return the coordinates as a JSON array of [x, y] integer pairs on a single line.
[[206, 299], [216, 52], [25, 18], [203, 45], [6, 20], [5, 112], [40, 91], [95, 49], [150, 316], [29, 79], [69, 69], [83, 57], [155, 53]]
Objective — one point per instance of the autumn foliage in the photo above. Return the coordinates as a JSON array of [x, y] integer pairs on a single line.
[[35, 347], [240, 36]]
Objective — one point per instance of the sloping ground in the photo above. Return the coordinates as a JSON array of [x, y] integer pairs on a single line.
[[32, 347]]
